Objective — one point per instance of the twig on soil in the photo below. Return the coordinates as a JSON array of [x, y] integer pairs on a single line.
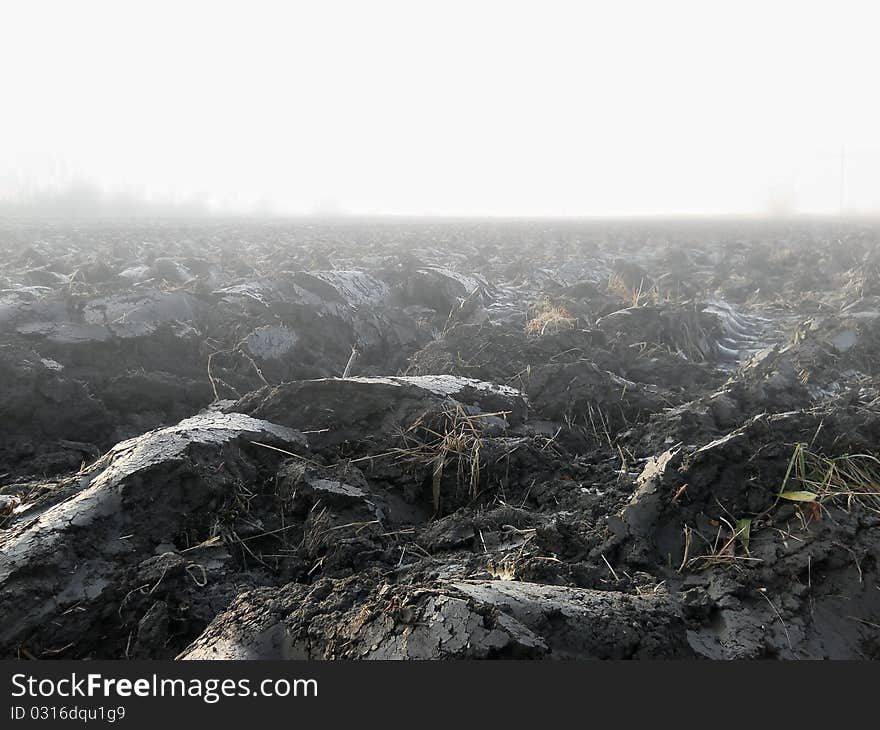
[[359, 525], [161, 578], [605, 560], [866, 623], [853, 555], [285, 452], [351, 361], [210, 542], [204, 579], [763, 592], [55, 652], [264, 534], [211, 376], [235, 538], [256, 367], [139, 589]]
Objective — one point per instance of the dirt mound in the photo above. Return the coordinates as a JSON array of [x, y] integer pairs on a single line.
[[832, 350], [336, 410], [501, 353], [776, 517], [571, 376]]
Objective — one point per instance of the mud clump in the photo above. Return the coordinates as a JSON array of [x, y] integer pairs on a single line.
[[450, 620], [405, 440], [93, 540]]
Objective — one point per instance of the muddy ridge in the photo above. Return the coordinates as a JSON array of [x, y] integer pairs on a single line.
[[412, 440]]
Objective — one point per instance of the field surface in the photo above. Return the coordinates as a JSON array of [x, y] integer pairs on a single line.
[[440, 439]]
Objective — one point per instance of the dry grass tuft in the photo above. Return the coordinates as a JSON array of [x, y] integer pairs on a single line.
[[643, 295], [549, 317], [455, 439]]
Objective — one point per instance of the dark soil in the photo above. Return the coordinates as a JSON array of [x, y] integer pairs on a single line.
[[552, 440]]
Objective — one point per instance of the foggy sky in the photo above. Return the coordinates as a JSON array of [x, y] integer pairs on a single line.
[[448, 107]]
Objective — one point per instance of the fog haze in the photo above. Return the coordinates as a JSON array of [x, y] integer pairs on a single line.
[[446, 108]]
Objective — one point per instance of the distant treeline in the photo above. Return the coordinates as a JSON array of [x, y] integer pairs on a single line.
[[83, 200]]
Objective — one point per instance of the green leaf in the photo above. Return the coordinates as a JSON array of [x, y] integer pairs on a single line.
[[744, 530], [800, 496]]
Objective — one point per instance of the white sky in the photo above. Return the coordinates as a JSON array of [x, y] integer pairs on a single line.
[[447, 107]]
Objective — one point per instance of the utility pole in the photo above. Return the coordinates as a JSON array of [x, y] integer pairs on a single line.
[[842, 177]]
